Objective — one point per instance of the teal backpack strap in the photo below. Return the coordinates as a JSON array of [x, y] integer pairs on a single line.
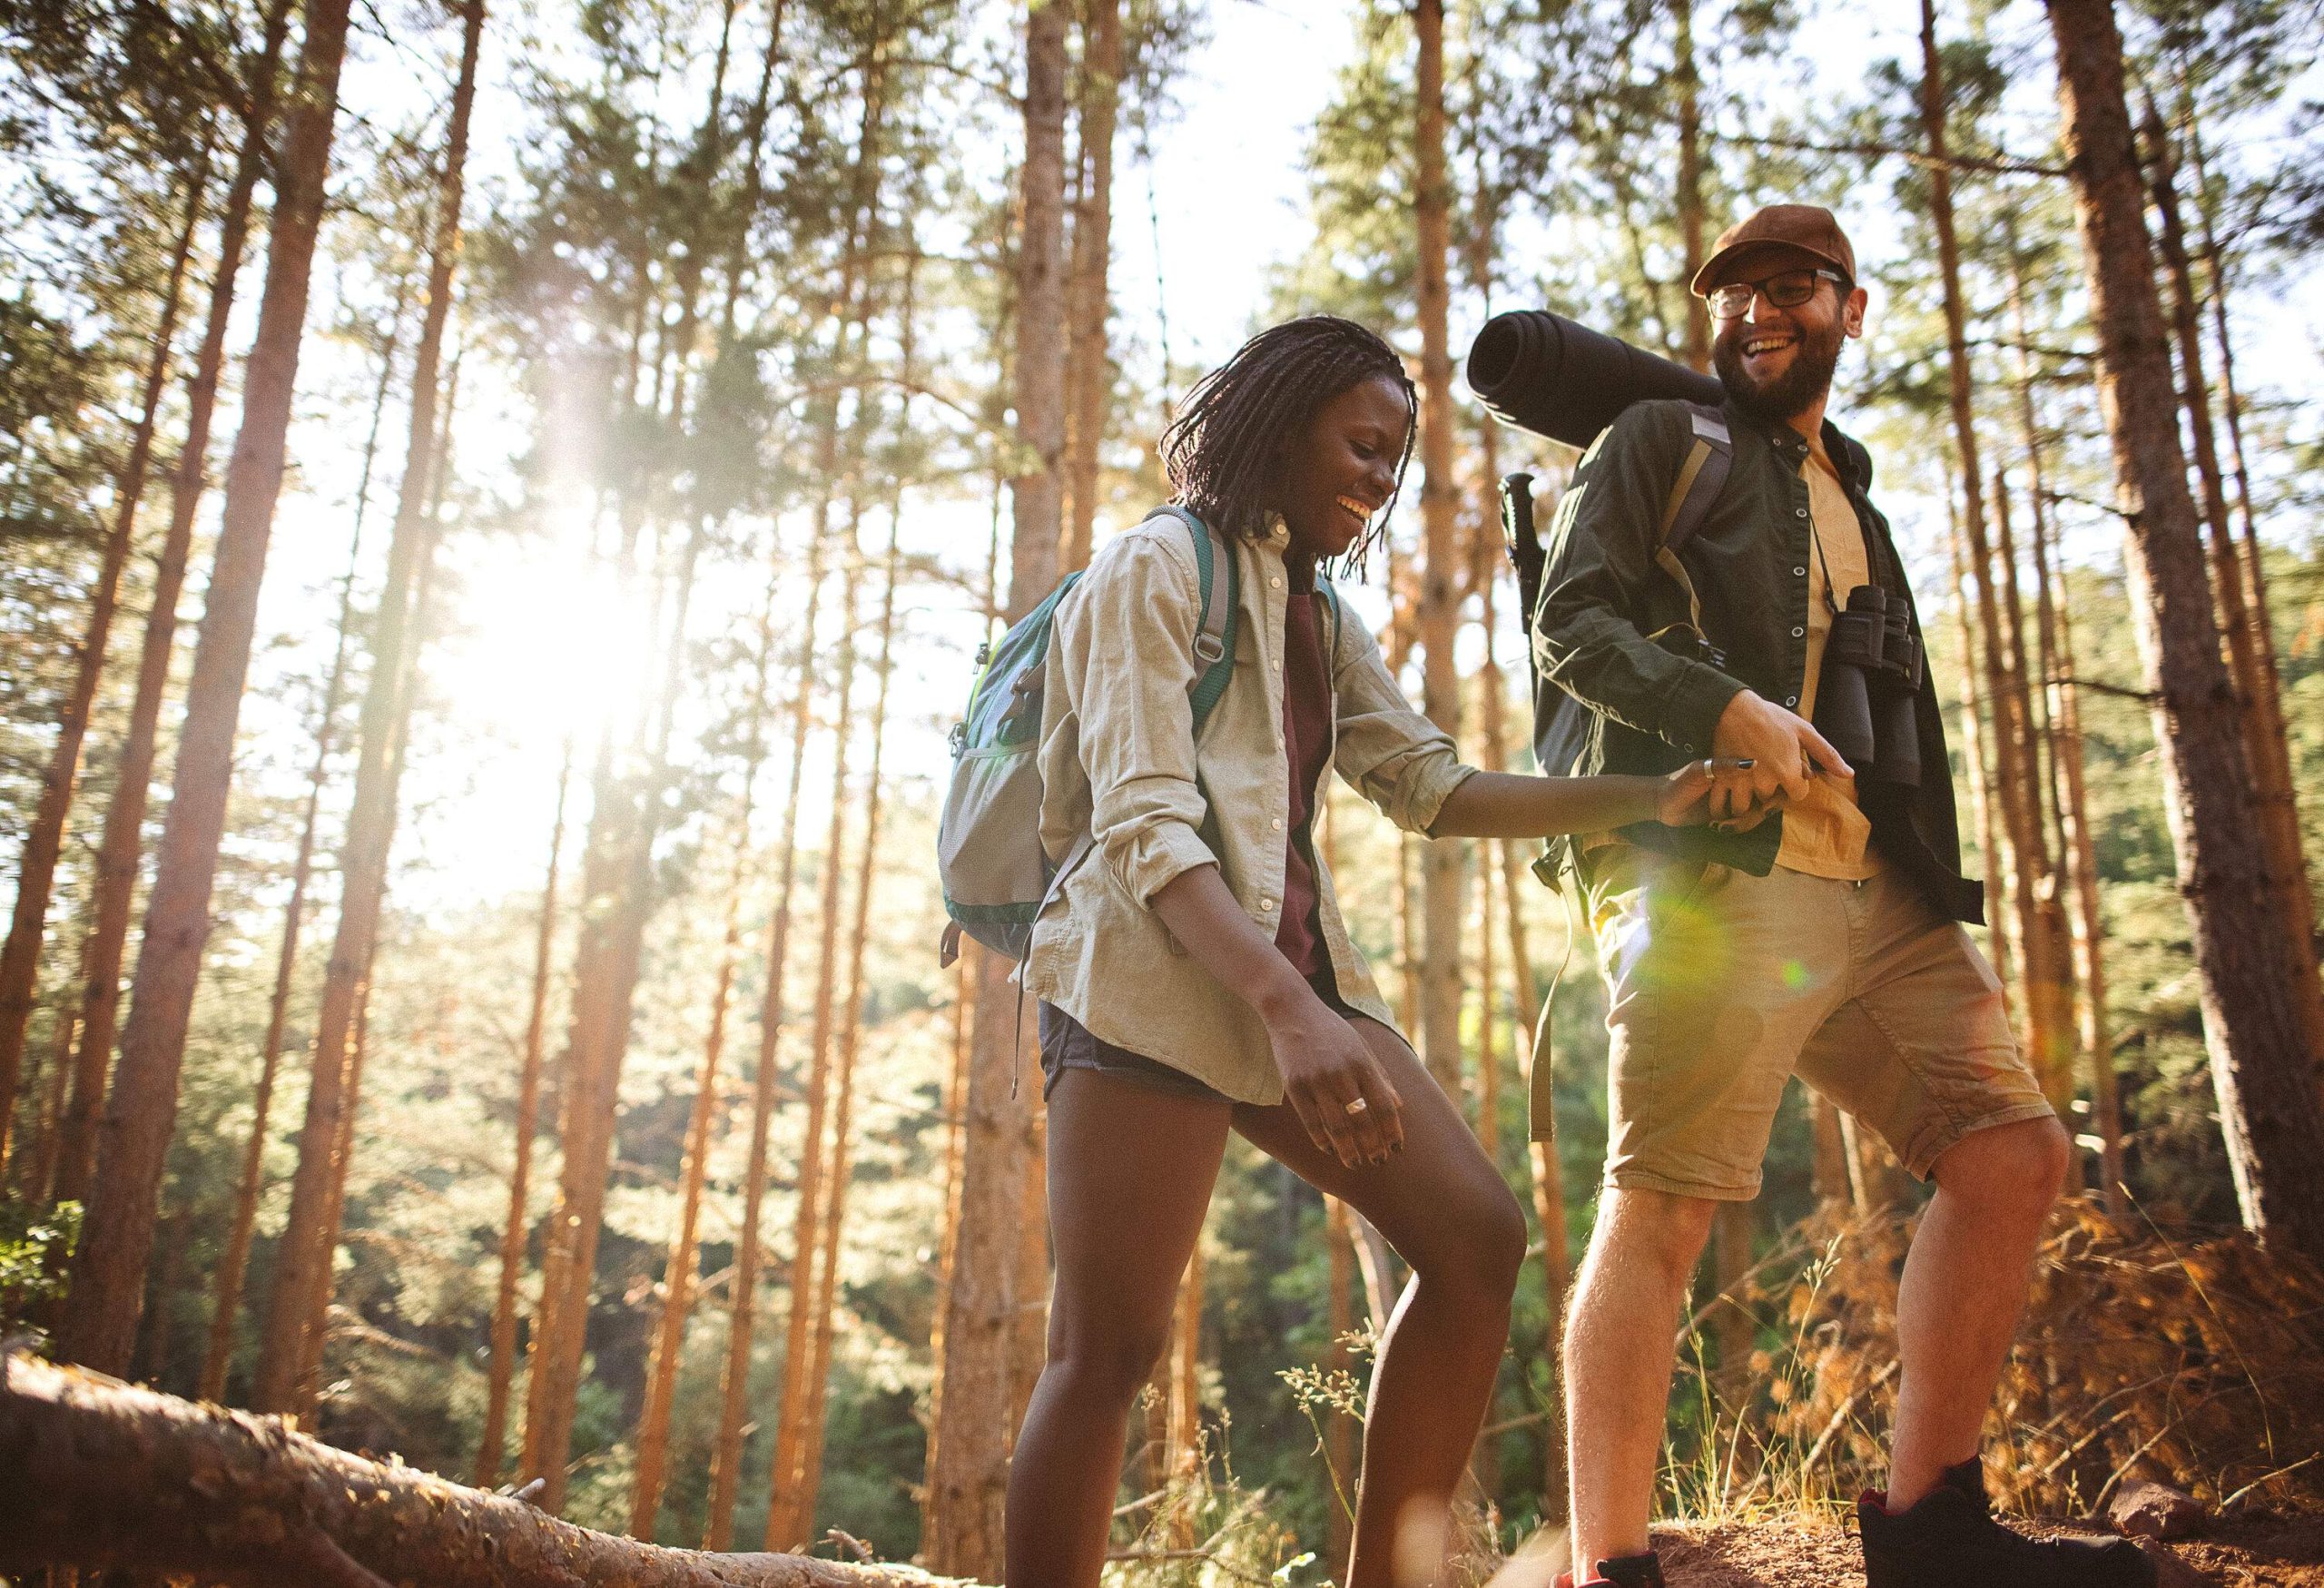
[[1215, 644]]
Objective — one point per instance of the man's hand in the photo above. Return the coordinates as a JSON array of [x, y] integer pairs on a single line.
[[1784, 750]]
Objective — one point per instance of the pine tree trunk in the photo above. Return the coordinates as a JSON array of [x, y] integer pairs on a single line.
[[43, 840], [2263, 724], [2049, 996], [124, 841], [2268, 1107], [785, 1520], [502, 1370], [302, 1259], [1697, 339], [101, 1310], [1975, 763], [226, 1294], [94, 1474], [834, 1219], [970, 1442], [1438, 615], [734, 1389], [624, 825], [653, 1444], [2073, 799], [2013, 786], [2263, 632], [1089, 367]]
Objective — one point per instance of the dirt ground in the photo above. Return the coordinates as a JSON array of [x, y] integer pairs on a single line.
[[2266, 1553], [2249, 1552]]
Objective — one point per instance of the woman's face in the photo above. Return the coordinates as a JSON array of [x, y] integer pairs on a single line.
[[1343, 470]]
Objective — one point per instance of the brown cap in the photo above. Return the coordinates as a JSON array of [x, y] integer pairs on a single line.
[[1802, 228]]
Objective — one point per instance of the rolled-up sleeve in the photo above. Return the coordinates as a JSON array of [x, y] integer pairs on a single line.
[[1123, 652], [1601, 562], [1392, 755]]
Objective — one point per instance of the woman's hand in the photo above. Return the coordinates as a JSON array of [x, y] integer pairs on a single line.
[[1689, 796], [1326, 1067]]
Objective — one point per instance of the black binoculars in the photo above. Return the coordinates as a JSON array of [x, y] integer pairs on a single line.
[[1868, 694]]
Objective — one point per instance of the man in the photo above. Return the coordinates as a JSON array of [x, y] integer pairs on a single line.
[[1816, 930]]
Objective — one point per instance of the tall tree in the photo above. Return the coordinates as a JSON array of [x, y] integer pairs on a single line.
[[2268, 1109], [970, 1439], [101, 1310], [122, 843], [304, 1259], [2257, 687], [502, 1369], [43, 841], [1089, 369], [2047, 1011]]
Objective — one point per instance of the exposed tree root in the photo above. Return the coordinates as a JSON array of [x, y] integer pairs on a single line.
[[95, 1473]]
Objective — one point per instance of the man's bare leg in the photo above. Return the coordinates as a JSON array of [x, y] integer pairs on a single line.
[[1618, 1362], [1963, 1287]]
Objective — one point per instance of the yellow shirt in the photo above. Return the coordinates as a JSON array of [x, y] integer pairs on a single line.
[[1825, 835]]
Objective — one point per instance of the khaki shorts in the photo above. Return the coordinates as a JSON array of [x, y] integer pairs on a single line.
[[1723, 985]]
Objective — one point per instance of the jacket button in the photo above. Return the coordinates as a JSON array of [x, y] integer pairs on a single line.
[[1791, 700], [1799, 573], [1274, 583], [1799, 512], [1276, 823], [1267, 904], [1798, 632]]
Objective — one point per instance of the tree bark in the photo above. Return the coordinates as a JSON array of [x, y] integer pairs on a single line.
[[2268, 1107], [833, 1223], [975, 1420], [43, 840], [226, 1295], [1437, 618], [653, 1445], [1976, 764], [2047, 1043], [302, 1260], [95, 1474], [502, 1370], [1697, 339], [2263, 721], [785, 1522], [1089, 366], [734, 1389], [124, 841], [101, 1310]]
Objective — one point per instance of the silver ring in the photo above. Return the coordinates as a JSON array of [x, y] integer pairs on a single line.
[[1358, 1106]]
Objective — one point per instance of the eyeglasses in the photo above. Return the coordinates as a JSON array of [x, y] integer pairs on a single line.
[[1785, 290]]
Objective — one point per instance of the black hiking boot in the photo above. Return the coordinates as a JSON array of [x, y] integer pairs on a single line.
[[1951, 1540], [1629, 1571]]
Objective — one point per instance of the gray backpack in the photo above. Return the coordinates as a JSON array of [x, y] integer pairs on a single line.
[[988, 854]]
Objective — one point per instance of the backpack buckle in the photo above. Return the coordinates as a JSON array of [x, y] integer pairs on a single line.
[[1209, 648], [958, 737]]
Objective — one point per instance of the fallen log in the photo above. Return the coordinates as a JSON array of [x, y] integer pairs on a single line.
[[96, 1474]]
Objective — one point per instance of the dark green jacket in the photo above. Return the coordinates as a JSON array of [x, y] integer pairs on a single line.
[[1653, 705]]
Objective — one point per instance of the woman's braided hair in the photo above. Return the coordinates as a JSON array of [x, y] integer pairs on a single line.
[[1222, 450]]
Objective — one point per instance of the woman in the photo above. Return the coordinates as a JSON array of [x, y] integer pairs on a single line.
[[1194, 973]]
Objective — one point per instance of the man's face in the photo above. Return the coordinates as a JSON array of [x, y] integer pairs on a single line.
[[1778, 363]]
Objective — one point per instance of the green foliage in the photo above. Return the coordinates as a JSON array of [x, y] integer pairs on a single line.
[[33, 1244]]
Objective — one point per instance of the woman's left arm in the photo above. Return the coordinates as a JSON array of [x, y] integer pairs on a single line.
[[1505, 804]]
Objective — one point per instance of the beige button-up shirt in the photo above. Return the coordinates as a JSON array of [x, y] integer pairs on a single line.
[[1120, 761]]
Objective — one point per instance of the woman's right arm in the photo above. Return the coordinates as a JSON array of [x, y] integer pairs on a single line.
[[1325, 1066]]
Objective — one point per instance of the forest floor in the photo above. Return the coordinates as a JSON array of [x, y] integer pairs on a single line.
[[2260, 1552]]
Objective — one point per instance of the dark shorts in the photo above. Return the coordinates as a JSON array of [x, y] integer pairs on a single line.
[[1066, 1044]]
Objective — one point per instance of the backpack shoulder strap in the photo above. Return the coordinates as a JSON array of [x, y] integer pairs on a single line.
[[1215, 644], [1700, 478], [1692, 496]]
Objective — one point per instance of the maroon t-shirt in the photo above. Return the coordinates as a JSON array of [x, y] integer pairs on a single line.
[[1307, 744]]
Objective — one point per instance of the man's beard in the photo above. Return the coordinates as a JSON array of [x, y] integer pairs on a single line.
[[1790, 394]]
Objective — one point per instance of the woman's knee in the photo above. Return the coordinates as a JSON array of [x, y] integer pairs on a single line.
[[1478, 1243], [1109, 1357]]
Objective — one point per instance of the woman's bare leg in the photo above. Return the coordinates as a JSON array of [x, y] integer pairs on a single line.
[[1131, 1167], [1445, 1209]]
